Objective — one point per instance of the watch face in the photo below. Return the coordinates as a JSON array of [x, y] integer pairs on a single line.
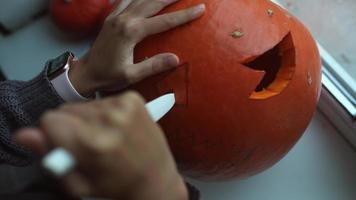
[[56, 65]]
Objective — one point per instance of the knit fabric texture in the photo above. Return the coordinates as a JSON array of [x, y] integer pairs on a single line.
[[21, 105]]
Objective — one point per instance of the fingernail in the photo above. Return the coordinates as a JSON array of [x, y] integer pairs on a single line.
[[172, 61], [199, 9]]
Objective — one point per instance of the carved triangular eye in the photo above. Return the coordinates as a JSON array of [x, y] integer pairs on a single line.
[[279, 67]]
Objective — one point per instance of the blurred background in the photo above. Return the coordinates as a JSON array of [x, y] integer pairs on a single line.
[[30, 38], [333, 23]]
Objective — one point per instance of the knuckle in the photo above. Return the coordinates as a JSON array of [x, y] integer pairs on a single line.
[[110, 117], [131, 105], [127, 27], [126, 122], [104, 141], [157, 63], [189, 14], [131, 75], [106, 145], [127, 30], [134, 103], [134, 98], [100, 147], [169, 21], [185, 17]]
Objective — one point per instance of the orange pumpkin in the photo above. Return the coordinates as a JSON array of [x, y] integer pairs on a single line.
[[79, 15], [247, 88]]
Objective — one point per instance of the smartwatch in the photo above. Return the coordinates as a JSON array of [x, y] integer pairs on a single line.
[[57, 66]]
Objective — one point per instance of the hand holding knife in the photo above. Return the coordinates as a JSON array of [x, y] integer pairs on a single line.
[[59, 161]]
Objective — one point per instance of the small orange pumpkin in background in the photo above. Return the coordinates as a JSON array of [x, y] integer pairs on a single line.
[[79, 15], [246, 91]]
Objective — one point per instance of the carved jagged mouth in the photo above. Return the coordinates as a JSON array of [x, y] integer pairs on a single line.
[[279, 67]]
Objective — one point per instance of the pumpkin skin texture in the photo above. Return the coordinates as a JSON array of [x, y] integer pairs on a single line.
[[81, 16], [224, 126]]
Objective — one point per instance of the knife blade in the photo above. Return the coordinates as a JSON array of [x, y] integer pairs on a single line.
[[59, 161]]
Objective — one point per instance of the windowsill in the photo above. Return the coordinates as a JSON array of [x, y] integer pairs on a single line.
[[321, 166]]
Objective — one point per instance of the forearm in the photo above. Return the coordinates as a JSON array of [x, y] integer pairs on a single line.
[[21, 104]]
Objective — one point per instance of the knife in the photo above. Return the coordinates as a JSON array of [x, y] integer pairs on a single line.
[[59, 161], [45, 173]]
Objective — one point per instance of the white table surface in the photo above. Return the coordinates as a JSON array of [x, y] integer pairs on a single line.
[[322, 166]]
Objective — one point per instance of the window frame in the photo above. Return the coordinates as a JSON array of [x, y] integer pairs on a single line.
[[338, 82]]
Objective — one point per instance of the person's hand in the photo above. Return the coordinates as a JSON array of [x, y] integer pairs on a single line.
[[121, 153], [109, 63]]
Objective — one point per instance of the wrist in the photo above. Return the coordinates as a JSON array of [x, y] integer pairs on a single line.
[[80, 79]]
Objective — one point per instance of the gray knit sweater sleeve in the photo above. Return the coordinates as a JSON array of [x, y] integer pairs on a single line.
[[21, 104]]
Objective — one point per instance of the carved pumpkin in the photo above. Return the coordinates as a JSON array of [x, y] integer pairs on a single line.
[[79, 15], [246, 91]]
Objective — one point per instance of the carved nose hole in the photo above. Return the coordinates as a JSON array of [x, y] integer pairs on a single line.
[[279, 67], [176, 81]]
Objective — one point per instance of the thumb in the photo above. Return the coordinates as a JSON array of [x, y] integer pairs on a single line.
[[152, 66]]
